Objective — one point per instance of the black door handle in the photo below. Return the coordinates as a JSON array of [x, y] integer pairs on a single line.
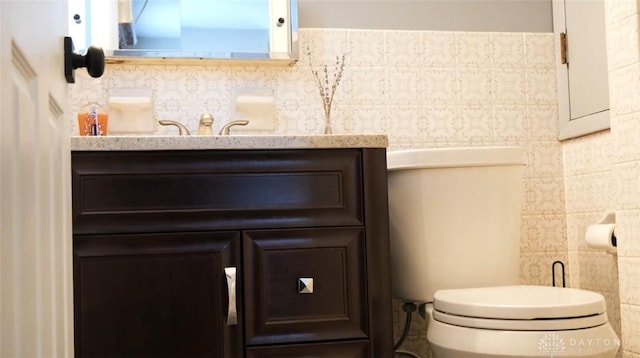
[[93, 60]]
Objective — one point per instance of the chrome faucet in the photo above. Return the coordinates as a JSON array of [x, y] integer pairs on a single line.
[[206, 121], [227, 127], [182, 129]]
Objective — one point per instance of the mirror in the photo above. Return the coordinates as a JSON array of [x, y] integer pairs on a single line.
[[186, 30]]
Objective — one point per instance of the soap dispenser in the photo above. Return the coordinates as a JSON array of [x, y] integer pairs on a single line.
[[92, 120]]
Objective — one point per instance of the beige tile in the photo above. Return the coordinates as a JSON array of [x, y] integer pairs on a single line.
[[629, 268], [544, 196], [577, 224], [594, 192], [542, 122], [624, 90], [598, 271], [622, 42], [510, 122], [365, 48], [474, 86], [630, 328], [439, 86], [613, 311], [507, 50], [628, 233], [545, 159], [616, 10], [508, 85], [626, 127], [536, 268], [628, 185], [439, 49], [539, 50], [543, 233], [442, 123], [473, 49], [541, 86], [476, 124], [402, 49], [402, 86], [320, 47]]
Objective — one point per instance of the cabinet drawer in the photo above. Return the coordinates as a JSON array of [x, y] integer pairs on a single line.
[[159, 191], [280, 309], [328, 350]]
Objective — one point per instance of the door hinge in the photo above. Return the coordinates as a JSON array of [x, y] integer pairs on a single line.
[[563, 48]]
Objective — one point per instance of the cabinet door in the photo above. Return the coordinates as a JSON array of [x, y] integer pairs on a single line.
[[155, 295], [305, 285], [582, 73]]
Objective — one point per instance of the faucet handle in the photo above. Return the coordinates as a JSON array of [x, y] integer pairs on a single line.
[[182, 129], [227, 127], [206, 121]]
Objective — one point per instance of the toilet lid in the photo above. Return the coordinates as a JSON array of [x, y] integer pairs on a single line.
[[519, 302]]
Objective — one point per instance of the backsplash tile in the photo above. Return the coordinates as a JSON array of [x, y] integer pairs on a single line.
[[507, 50], [438, 49], [537, 52], [402, 49], [474, 49]]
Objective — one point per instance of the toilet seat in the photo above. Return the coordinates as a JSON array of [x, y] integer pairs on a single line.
[[523, 325], [520, 308]]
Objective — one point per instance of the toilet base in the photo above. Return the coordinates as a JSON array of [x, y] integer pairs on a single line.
[[449, 341]]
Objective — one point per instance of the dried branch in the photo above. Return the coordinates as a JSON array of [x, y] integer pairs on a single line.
[[328, 88]]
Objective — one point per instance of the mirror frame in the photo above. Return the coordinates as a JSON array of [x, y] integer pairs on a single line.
[[283, 39]]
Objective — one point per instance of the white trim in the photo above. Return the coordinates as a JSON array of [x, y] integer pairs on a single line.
[[571, 128], [279, 33]]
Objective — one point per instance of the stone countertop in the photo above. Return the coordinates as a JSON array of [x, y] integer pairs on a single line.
[[152, 142]]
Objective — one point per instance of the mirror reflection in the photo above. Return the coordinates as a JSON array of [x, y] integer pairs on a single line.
[[218, 29]]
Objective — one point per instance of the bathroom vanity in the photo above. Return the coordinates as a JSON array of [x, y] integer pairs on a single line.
[[160, 224]]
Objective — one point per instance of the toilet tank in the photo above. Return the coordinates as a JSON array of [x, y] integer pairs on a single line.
[[454, 216]]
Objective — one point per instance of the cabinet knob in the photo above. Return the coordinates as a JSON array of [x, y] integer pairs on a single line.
[[305, 285]]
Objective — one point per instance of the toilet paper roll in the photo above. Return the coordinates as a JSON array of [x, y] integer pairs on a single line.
[[602, 237]]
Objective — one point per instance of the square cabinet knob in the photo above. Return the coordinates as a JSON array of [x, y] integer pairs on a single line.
[[305, 285]]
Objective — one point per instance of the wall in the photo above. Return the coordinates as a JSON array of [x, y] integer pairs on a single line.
[[432, 15], [423, 89], [624, 83], [589, 193]]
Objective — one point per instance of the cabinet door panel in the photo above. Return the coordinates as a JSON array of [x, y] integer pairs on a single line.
[[278, 312], [161, 295], [327, 350]]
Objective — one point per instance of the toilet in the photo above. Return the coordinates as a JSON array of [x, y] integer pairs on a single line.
[[454, 216]]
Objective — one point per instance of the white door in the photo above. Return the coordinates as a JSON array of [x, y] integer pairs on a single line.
[[36, 315]]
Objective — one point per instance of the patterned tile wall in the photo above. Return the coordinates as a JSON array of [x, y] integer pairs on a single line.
[[423, 89], [590, 191], [624, 83]]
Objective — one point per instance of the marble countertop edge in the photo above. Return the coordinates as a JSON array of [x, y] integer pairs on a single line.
[[156, 142]]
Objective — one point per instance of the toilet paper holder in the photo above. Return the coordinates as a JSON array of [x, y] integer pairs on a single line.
[[553, 273]]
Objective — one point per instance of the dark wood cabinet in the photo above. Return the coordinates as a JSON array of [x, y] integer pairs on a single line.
[[305, 229], [160, 295]]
